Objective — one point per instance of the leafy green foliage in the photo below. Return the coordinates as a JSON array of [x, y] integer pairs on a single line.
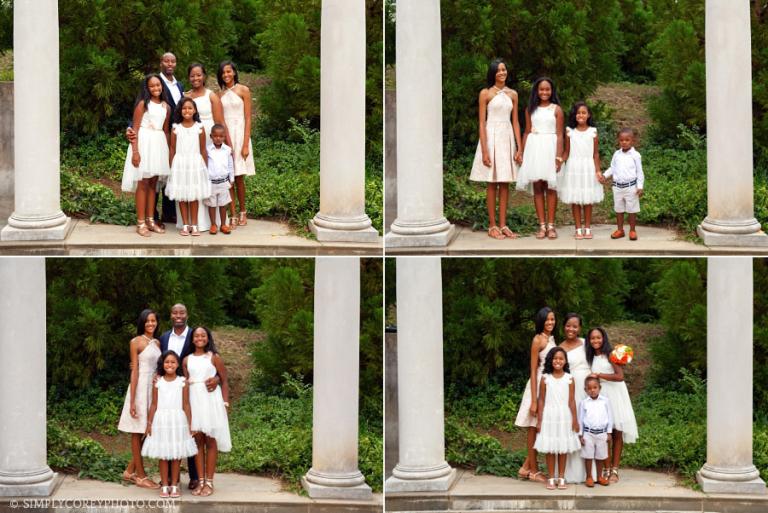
[[681, 300], [283, 302], [90, 410], [72, 453]]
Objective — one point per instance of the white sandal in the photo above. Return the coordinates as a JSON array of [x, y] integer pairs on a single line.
[[579, 234], [587, 233]]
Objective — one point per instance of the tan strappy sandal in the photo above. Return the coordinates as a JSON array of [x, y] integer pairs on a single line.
[[142, 230]]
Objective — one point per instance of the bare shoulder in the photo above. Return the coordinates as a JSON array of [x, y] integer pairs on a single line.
[[511, 93], [243, 89]]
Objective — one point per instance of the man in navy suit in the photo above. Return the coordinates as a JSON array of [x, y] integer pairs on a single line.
[[179, 340], [173, 90]]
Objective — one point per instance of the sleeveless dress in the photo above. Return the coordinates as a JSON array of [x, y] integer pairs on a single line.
[[575, 472], [557, 435], [618, 395], [209, 415], [576, 181], [205, 110], [234, 117], [540, 150], [170, 438], [524, 418], [189, 173], [153, 149], [147, 368], [501, 144]]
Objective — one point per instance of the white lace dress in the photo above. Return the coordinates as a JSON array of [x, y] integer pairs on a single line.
[[234, 117], [500, 139], [209, 415], [557, 435], [170, 438], [524, 418]]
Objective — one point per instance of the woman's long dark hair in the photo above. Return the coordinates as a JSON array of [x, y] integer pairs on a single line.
[[161, 361], [197, 65], [177, 118], [572, 115], [220, 72], [145, 95], [493, 68], [534, 101], [143, 316], [605, 349], [541, 319], [551, 356]]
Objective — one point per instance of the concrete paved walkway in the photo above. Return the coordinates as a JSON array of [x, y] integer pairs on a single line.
[[234, 493], [257, 238], [638, 491], [651, 241]]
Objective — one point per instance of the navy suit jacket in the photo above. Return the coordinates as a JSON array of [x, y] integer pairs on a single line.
[[186, 350], [169, 96]]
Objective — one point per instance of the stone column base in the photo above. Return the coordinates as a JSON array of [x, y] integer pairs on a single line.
[[708, 485], [333, 235], [396, 240], [40, 489], [435, 484], [321, 491], [750, 240], [59, 232]]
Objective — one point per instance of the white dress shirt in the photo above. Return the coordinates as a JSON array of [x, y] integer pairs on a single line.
[[220, 164], [625, 167], [172, 87], [176, 342], [595, 414]]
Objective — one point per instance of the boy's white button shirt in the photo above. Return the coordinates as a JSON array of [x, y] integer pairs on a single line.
[[220, 164], [625, 167], [595, 413]]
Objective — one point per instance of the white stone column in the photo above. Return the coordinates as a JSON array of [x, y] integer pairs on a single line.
[[334, 472], [37, 211], [342, 214], [730, 217], [729, 467], [23, 467], [422, 466], [420, 220]]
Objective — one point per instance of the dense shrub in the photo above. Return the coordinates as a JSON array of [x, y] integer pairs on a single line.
[[71, 453], [284, 305]]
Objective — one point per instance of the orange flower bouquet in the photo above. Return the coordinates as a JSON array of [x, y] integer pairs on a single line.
[[622, 354]]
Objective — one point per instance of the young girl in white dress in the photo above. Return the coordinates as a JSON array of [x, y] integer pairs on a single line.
[[496, 156], [236, 101], [145, 349], [574, 345], [209, 409], [541, 344], [169, 436], [189, 182], [557, 425], [542, 153], [612, 384], [147, 158], [578, 183]]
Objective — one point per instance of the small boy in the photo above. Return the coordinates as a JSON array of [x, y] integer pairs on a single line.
[[595, 422], [221, 173], [628, 180]]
